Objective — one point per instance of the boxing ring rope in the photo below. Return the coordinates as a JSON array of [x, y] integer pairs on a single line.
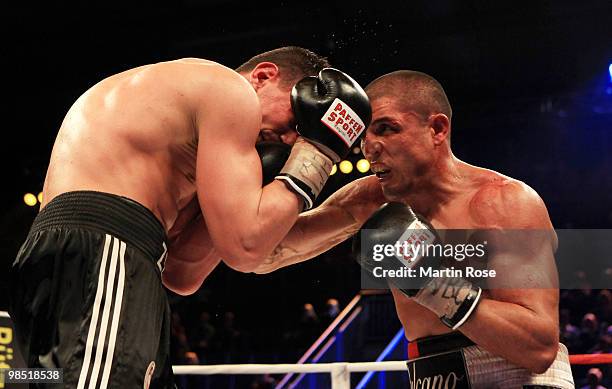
[[590, 359], [340, 371]]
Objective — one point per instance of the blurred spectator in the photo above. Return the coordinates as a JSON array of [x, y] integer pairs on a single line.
[[589, 332], [604, 345], [332, 309], [578, 301], [593, 378], [229, 337], [264, 382], [202, 336], [306, 331], [309, 315], [569, 334], [308, 326], [180, 353], [603, 308]]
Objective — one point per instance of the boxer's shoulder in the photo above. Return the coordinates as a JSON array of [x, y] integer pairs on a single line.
[[499, 201], [205, 79], [222, 99]]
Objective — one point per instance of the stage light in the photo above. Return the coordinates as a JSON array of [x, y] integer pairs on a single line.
[[334, 170], [363, 165], [610, 71], [40, 197], [29, 199], [346, 167]]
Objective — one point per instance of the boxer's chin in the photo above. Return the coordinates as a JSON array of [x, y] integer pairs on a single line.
[[391, 193], [394, 191]]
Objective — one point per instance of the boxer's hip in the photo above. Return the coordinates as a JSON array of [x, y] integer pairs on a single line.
[[103, 213], [88, 278], [455, 361]]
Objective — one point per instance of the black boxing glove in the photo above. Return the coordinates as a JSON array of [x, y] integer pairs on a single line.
[[395, 225], [331, 112], [273, 156]]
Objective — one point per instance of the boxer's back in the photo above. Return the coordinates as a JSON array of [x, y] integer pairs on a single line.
[[134, 134]]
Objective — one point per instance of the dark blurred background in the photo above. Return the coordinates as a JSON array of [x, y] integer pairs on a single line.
[[529, 82]]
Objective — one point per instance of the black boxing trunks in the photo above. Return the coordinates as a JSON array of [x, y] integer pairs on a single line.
[[454, 361], [87, 295]]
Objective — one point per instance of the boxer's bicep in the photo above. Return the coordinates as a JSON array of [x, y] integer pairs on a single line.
[[527, 280], [520, 247], [228, 171]]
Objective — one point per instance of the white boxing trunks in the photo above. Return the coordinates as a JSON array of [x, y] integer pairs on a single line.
[[453, 361]]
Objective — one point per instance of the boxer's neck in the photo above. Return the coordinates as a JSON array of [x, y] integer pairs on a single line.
[[442, 182]]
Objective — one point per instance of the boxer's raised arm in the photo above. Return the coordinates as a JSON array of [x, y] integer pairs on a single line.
[[245, 221], [320, 229]]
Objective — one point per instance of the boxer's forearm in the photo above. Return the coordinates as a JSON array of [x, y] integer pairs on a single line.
[[191, 258], [514, 332], [314, 232], [331, 223], [185, 277]]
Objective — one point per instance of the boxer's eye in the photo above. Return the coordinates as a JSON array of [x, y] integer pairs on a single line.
[[383, 129]]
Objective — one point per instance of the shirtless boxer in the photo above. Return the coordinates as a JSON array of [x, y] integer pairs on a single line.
[[160, 161], [508, 336]]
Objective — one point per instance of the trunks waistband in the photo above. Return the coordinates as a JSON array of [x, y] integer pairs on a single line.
[[107, 213], [438, 344]]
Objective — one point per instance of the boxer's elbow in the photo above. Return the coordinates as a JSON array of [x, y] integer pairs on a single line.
[[544, 355], [265, 268], [541, 361], [183, 290], [244, 251], [178, 286], [242, 258]]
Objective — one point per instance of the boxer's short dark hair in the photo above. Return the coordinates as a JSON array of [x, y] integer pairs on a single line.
[[417, 91], [294, 63]]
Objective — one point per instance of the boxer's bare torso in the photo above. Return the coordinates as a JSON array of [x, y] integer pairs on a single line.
[[480, 199], [134, 134], [179, 138]]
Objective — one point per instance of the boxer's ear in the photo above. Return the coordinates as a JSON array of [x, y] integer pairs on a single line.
[[262, 73], [440, 124]]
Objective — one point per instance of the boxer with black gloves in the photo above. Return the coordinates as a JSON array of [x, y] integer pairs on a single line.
[[153, 178], [498, 332]]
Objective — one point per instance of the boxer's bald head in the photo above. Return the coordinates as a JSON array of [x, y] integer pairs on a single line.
[[415, 91], [408, 141]]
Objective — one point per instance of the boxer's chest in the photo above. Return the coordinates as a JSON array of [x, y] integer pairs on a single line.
[[464, 240]]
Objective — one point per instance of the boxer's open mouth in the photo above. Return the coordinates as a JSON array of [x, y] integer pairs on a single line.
[[381, 172]]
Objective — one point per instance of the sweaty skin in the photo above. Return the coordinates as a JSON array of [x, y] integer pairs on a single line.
[[178, 137], [519, 324]]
